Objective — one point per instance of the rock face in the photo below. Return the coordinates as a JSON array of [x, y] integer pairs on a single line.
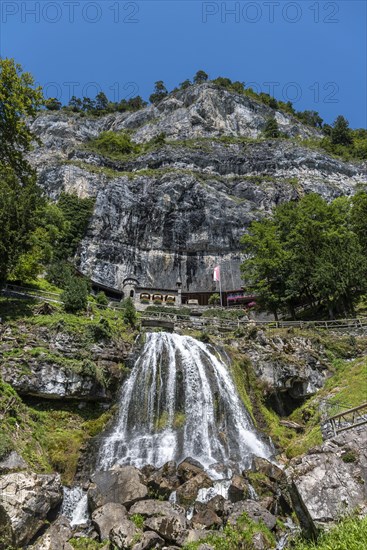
[[330, 481], [55, 364], [176, 210], [292, 368], [25, 501]]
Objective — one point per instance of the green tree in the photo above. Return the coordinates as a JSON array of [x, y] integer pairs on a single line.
[[75, 104], [129, 312], [160, 92], [341, 133], [20, 197], [76, 213], [214, 299], [75, 295], [19, 99], [88, 104], [101, 102], [271, 129], [185, 84], [200, 77], [53, 104]]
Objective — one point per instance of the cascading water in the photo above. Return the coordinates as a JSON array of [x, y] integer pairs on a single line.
[[180, 401]]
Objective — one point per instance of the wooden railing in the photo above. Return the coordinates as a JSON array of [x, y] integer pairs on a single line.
[[196, 322], [346, 420]]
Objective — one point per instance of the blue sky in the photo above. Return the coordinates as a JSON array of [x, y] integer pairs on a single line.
[[313, 52]]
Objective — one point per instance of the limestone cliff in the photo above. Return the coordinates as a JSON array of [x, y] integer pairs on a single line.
[[180, 208]]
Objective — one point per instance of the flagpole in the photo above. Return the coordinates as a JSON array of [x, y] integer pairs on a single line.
[[220, 286]]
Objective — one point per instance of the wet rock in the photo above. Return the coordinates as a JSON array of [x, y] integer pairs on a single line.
[[12, 463], [238, 489], [108, 517], [188, 469], [125, 535], [25, 501], [254, 510], [56, 537], [122, 485], [164, 480], [187, 493]]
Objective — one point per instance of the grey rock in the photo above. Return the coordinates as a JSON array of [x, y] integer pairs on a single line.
[[151, 507], [25, 501], [324, 487], [12, 463], [187, 492], [169, 527], [149, 540], [108, 517], [125, 535], [122, 485], [206, 519], [238, 489], [56, 537], [254, 510]]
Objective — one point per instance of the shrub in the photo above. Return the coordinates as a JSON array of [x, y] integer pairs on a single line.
[[214, 299], [101, 299], [271, 129], [75, 295], [129, 312], [100, 331], [112, 144]]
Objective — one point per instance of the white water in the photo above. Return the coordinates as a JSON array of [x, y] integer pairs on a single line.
[[75, 506], [180, 401]]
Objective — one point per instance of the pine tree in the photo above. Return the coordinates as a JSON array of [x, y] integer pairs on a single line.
[[341, 133], [271, 129]]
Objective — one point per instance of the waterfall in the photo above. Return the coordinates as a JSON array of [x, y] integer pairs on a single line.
[[180, 401]]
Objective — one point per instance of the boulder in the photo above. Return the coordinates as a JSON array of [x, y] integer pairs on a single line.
[[150, 508], [254, 510], [170, 526], [25, 502], [12, 463], [164, 481], [125, 535], [206, 519], [122, 485], [56, 537], [188, 469], [238, 489], [149, 540], [108, 517], [187, 493], [218, 504]]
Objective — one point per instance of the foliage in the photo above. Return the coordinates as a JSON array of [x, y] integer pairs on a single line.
[[76, 213], [138, 520], [236, 536], [53, 104], [112, 144], [129, 312], [75, 295], [160, 92], [20, 198], [101, 299], [214, 299], [309, 253], [83, 543], [19, 99], [349, 534], [200, 77], [271, 129]]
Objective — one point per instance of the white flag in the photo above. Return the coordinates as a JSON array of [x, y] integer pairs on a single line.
[[217, 273]]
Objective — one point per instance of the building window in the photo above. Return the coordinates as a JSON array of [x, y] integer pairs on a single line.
[[131, 294]]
